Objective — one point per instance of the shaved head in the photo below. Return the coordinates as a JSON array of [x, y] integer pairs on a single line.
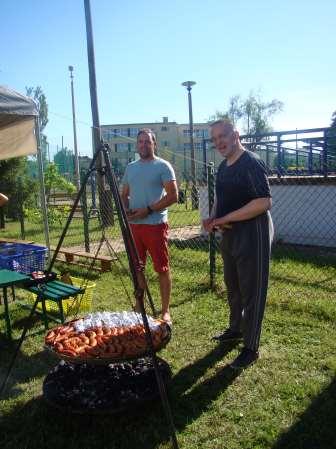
[[225, 137], [224, 123]]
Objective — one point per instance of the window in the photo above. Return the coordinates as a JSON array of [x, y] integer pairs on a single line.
[[107, 134], [197, 146], [165, 143], [121, 147], [134, 132], [164, 128]]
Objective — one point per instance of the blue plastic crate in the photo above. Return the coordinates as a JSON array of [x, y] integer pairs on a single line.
[[22, 257]]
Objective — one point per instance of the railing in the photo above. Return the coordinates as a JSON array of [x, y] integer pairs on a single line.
[[299, 152]]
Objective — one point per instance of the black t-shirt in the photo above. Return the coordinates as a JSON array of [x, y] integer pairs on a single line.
[[241, 182]]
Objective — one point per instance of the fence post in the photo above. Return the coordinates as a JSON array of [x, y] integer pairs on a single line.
[[310, 158], [212, 238], [204, 148], [85, 216], [279, 156], [325, 154]]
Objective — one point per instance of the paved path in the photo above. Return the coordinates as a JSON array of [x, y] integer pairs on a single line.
[[117, 244]]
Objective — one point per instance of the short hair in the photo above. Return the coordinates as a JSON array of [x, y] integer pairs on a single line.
[[147, 131], [223, 121]]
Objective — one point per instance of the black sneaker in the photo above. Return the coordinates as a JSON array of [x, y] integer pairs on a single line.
[[245, 359], [228, 335]]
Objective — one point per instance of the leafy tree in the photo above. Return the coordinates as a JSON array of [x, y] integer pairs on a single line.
[[254, 113], [64, 159], [53, 180], [38, 95], [19, 187]]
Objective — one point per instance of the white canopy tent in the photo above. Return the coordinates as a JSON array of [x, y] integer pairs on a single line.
[[20, 136], [17, 124]]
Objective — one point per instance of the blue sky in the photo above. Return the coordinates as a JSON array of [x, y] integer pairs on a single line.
[[145, 49]]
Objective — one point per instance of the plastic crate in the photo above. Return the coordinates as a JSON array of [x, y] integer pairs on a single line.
[[21, 257], [82, 302]]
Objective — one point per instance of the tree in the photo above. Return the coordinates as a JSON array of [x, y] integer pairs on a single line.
[[54, 180], [38, 95], [254, 113], [64, 159], [17, 185]]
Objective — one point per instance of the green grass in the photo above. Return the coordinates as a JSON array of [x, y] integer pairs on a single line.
[[179, 215], [286, 400]]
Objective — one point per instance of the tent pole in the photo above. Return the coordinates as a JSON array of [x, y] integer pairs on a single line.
[[42, 186]]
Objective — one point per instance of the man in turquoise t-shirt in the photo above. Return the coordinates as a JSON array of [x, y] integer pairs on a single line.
[[148, 188]]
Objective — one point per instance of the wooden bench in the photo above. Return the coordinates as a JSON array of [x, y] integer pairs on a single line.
[[71, 258]]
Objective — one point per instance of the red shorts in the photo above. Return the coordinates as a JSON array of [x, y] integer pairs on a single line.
[[154, 239]]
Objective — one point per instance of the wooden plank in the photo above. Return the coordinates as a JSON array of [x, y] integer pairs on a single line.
[[6, 240], [93, 256], [64, 250]]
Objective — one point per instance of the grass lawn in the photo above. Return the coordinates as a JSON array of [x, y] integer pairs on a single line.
[[179, 216], [286, 400]]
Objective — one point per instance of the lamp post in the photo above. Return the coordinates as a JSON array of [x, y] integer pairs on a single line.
[[77, 177], [194, 202]]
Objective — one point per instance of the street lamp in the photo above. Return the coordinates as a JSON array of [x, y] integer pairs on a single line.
[[188, 85], [77, 178]]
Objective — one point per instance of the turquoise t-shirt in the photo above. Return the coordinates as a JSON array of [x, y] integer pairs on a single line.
[[145, 181]]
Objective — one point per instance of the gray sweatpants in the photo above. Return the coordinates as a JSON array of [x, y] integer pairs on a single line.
[[246, 255]]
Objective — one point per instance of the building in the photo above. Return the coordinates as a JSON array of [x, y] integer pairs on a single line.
[[173, 144]]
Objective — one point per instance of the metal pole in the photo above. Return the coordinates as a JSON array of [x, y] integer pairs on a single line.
[[204, 147], [279, 165], [85, 216], [212, 238], [105, 203], [194, 198], [310, 158], [325, 154], [191, 128], [77, 175], [42, 187]]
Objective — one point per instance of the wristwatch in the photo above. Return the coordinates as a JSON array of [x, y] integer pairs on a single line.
[[150, 210]]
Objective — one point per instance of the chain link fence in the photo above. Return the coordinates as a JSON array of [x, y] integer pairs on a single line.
[[302, 177]]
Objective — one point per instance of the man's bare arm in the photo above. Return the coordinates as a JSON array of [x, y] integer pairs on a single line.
[[125, 196], [250, 210], [168, 199]]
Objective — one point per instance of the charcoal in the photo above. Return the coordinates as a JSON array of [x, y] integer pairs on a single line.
[[87, 388]]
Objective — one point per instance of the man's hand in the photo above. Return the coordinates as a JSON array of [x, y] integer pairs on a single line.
[[215, 224], [221, 223], [207, 224], [134, 214]]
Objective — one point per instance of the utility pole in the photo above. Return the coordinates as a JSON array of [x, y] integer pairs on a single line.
[[194, 195], [77, 175], [105, 196]]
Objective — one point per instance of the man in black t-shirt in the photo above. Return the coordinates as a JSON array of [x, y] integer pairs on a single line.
[[241, 211]]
